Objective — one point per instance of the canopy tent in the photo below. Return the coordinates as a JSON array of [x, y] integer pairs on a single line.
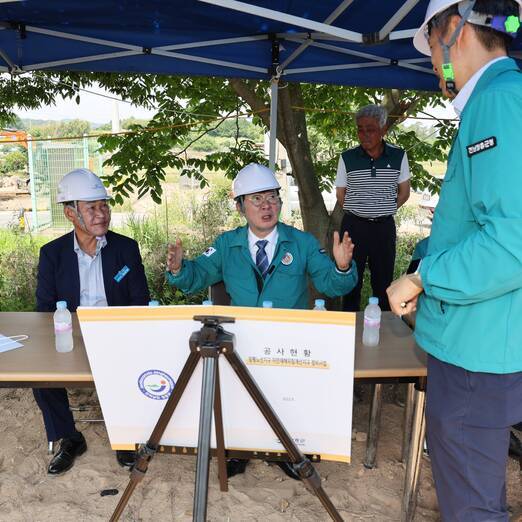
[[344, 42]]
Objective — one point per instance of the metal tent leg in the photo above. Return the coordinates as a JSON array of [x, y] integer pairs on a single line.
[[374, 426], [409, 498], [408, 419]]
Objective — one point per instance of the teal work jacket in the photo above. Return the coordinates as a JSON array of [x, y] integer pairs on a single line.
[[420, 250], [470, 313], [297, 255]]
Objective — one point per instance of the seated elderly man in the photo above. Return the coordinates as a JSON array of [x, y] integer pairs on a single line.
[[265, 260], [89, 266]]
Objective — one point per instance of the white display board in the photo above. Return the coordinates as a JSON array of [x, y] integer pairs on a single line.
[[302, 360]]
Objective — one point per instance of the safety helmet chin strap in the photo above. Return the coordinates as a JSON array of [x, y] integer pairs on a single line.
[[79, 216], [465, 8], [76, 210], [240, 200]]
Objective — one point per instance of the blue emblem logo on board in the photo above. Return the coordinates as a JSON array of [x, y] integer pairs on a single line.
[[156, 384]]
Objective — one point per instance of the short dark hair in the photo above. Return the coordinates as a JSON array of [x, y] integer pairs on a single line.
[[489, 38]]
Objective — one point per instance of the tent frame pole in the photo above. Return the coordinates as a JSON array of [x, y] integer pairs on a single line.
[[274, 87], [279, 16]]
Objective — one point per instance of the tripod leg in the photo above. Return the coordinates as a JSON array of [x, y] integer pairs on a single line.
[[205, 427], [302, 465], [220, 436], [146, 453]]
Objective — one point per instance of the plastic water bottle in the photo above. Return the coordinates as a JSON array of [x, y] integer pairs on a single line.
[[207, 302], [268, 304], [319, 305], [372, 322], [63, 328], [153, 302]]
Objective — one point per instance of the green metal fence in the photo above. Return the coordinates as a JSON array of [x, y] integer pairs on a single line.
[[49, 161]]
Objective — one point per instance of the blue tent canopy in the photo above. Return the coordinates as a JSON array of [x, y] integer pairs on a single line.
[[345, 42]]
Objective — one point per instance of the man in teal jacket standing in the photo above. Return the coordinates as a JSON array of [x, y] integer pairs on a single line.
[[468, 288], [265, 260]]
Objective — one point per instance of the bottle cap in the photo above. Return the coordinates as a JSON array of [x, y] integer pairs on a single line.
[[319, 302], [373, 300], [61, 305], [268, 304], [154, 303]]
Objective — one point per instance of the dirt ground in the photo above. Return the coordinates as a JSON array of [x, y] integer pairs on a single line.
[[11, 202], [263, 493]]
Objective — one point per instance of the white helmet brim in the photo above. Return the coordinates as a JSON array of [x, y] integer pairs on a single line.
[[435, 7]]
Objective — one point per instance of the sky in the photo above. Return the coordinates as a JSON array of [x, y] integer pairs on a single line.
[[98, 109], [92, 107]]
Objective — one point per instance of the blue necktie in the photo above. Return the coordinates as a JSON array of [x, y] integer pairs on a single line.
[[261, 257]]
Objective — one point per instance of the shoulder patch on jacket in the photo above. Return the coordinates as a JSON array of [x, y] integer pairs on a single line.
[[209, 251], [481, 146]]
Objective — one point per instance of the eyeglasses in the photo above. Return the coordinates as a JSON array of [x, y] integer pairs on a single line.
[[258, 199]]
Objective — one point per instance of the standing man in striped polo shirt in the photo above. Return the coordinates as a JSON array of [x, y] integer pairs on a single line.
[[372, 183]]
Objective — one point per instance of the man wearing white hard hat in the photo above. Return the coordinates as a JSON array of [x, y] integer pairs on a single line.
[[265, 260], [468, 287], [90, 266]]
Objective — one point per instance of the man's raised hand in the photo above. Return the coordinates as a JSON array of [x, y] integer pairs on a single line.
[[342, 251], [174, 256]]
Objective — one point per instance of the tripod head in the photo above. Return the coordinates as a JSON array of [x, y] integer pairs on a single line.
[[213, 320], [212, 339]]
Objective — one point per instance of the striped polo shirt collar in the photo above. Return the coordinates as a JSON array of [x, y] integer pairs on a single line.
[[385, 151]]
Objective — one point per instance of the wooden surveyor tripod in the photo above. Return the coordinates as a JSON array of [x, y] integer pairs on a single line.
[[208, 344]]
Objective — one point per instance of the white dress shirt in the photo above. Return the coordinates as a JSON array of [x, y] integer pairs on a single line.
[[462, 97], [269, 248], [92, 288]]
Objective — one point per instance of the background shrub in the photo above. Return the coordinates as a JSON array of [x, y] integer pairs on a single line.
[[18, 268], [197, 223]]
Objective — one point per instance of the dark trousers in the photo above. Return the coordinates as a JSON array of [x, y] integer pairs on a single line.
[[468, 416], [374, 241], [58, 419]]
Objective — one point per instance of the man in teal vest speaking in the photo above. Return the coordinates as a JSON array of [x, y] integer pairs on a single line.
[[265, 260]]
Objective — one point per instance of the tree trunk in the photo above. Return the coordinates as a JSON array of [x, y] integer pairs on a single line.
[[313, 210], [398, 108], [292, 134]]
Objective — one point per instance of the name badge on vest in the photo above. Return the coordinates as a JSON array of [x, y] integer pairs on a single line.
[[481, 146], [122, 273], [287, 259]]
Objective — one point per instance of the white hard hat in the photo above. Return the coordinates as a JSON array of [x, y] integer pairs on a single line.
[[254, 178], [434, 8], [81, 185]]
